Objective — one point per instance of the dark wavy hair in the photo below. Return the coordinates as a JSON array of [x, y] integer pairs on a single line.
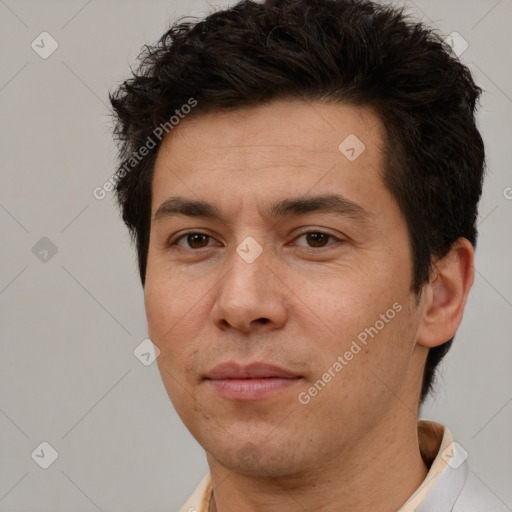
[[355, 52]]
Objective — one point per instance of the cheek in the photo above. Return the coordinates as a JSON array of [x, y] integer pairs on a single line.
[[163, 313], [370, 326], [362, 369], [155, 303], [175, 314], [167, 298], [167, 326], [345, 307]]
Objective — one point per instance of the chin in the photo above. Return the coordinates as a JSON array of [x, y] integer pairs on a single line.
[[248, 459]]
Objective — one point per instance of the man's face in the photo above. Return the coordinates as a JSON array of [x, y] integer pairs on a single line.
[[297, 288]]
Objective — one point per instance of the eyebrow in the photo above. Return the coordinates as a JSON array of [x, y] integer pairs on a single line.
[[302, 205]]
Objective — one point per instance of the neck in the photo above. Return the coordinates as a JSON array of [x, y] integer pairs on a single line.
[[378, 472]]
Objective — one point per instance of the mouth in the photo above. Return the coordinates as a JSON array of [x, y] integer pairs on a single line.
[[256, 381]]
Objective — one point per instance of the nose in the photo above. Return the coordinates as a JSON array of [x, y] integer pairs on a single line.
[[251, 295]]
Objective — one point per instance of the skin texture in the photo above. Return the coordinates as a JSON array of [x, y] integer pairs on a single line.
[[299, 305]]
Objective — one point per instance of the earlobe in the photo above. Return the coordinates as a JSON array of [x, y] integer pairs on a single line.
[[445, 295]]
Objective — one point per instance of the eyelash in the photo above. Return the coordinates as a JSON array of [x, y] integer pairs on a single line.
[[184, 235]]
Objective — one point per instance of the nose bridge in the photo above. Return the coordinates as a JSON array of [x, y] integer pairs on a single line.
[[248, 291], [247, 266]]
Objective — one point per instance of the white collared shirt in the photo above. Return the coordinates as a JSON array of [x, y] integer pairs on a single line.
[[448, 487]]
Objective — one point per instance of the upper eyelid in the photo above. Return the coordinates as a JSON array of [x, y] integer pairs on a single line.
[[183, 235], [318, 231]]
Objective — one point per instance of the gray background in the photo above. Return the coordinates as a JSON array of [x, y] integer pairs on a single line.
[[70, 324]]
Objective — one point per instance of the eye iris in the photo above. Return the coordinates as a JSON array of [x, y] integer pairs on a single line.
[[193, 239], [318, 238]]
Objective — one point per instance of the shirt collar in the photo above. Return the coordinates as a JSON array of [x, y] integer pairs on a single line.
[[438, 491], [447, 470]]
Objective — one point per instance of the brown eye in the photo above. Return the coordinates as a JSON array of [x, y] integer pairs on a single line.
[[316, 239], [194, 240]]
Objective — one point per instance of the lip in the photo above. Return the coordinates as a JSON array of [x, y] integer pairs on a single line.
[[255, 381], [232, 370]]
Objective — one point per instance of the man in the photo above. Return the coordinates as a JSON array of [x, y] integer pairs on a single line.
[[301, 179]]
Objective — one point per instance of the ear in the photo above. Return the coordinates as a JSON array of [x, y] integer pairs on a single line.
[[444, 297]]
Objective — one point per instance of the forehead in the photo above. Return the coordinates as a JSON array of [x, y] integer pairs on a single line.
[[303, 127], [285, 144]]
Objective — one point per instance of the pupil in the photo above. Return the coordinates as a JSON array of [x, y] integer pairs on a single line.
[[193, 239], [319, 238]]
